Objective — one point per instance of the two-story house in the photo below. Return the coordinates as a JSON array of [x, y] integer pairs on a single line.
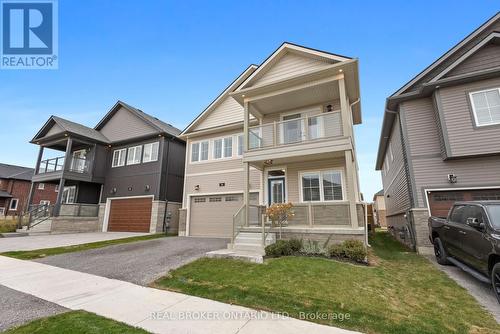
[[440, 140], [280, 132], [15, 185], [126, 174]]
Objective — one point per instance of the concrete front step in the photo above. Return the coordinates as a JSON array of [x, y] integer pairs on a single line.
[[253, 241], [236, 254], [43, 227], [256, 249]]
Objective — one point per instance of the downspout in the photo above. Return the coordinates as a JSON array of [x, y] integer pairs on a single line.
[[164, 229]]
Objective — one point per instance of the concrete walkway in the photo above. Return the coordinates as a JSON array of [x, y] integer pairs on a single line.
[[59, 240], [154, 310]]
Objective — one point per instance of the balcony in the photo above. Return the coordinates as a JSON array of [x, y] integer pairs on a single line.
[[77, 165], [298, 137]]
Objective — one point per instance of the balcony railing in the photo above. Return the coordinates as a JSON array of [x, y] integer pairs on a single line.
[[77, 165], [295, 131]]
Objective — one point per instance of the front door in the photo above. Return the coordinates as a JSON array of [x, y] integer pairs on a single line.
[[276, 190], [69, 194]]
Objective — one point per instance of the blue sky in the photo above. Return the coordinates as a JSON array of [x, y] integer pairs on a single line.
[[171, 59]]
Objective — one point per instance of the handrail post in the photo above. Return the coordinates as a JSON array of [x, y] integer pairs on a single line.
[[274, 134], [263, 228], [306, 128]]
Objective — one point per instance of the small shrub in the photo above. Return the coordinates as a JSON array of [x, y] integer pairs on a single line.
[[312, 248], [9, 226], [295, 245], [279, 248], [353, 250]]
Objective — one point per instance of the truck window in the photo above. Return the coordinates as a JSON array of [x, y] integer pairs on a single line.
[[458, 214], [474, 211], [494, 214]]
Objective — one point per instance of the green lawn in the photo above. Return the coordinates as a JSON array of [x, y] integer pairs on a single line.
[[400, 293], [39, 253], [75, 322]]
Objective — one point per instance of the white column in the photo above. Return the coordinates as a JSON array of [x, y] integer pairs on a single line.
[[344, 109], [246, 193], [351, 188]]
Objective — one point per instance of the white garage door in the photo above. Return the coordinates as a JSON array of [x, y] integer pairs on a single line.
[[212, 216]]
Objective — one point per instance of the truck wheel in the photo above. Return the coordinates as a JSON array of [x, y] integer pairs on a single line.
[[440, 253], [495, 280]]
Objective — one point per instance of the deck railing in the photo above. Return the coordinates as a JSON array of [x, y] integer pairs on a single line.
[[77, 165], [294, 131]]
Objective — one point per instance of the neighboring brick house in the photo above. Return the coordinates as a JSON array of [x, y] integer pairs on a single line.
[[15, 183], [440, 139]]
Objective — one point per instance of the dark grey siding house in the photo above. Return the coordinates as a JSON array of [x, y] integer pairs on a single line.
[[126, 174], [440, 139]]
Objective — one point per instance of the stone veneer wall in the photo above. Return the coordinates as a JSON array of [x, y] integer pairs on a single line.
[[420, 219], [173, 209], [182, 222], [102, 209], [157, 216], [74, 224]]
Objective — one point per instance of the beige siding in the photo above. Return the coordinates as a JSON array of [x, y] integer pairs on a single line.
[[53, 130], [463, 136], [433, 173], [395, 182], [293, 171], [486, 57], [210, 183], [316, 109], [227, 112], [124, 125], [289, 65], [422, 127]]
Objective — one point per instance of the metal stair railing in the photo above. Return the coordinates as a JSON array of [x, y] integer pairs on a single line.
[[39, 214]]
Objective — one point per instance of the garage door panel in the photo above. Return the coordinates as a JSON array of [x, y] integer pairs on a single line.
[[130, 215], [213, 217], [440, 202]]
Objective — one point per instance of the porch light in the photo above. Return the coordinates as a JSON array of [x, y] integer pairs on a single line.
[[112, 191], [147, 187], [268, 162], [243, 95], [197, 187], [340, 70]]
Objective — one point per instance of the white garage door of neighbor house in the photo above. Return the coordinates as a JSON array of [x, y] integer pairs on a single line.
[[212, 216]]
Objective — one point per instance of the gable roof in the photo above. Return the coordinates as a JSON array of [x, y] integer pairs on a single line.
[[15, 172], [284, 49], [70, 127], [430, 78], [219, 99], [157, 124], [378, 193], [432, 67]]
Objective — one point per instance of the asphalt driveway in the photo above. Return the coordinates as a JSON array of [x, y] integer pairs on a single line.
[[59, 240], [482, 292], [138, 262]]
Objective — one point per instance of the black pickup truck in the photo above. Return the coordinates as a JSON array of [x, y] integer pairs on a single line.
[[470, 239]]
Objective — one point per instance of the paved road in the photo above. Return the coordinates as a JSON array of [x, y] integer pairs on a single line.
[[482, 292], [59, 240], [138, 262], [17, 308]]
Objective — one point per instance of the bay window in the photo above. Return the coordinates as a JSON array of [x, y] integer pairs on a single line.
[[321, 186]]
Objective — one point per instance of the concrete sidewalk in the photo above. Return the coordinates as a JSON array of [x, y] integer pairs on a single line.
[[59, 240], [139, 306]]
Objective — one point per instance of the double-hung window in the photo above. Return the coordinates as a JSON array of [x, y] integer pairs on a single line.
[[199, 151], [41, 186], [119, 157], [223, 148], [322, 186], [486, 106], [150, 152], [134, 155]]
